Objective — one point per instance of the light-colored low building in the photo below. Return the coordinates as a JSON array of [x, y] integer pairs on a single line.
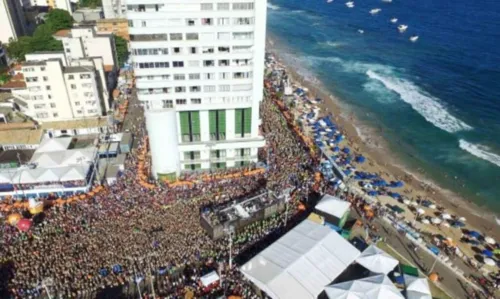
[[117, 26], [114, 8], [84, 42]]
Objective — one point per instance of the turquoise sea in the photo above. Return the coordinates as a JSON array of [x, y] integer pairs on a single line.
[[436, 101]]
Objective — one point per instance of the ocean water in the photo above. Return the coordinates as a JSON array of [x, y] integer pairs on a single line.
[[435, 101]]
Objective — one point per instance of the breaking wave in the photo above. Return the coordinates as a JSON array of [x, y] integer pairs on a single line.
[[480, 151], [272, 6]]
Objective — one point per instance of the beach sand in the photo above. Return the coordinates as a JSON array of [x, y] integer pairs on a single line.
[[379, 159]]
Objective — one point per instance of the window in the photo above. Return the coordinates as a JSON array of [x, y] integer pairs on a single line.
[[207, 21], [191, 22], [180, 101], [28, 69], [190, 126], [73, 86], [242, 35], [142, 8], [55, 114], [45, 78], [180, 89], [243, 21], [243, 6], [209, 76], [222, 6], [224, 62], [47, 87], [85, 76], [207, 6], [31, 79], [208, 63], [224, 36], [177, 50], [175, 36], [195, 101], [92, 111], [90, 103], [193, 50], [217, 124], [71, 77], [218, 154], [224, 76], [42, 115], [242, 87], [143, 24], [195, 155], [223, 22], [49, 96], [194, 76], [179, 77], [242, 75], [77, 103], [209, 88], [243, 152], [243, 121], [192, 36], [208, 50], [178, 64], [89, 85], [193, 63], [224, 88], [35, 88], [223, 49], [42, 68], [79, 111], [39, 106], [165, 77], [194, 88], [168, 103], [52, 105]]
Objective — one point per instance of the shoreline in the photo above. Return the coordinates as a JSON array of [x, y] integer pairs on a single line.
[[375, 148]]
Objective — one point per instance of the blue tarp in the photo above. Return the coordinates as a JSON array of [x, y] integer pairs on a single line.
[[396, 184], [434, 249]]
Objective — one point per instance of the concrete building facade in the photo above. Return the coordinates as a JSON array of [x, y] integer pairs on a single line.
[[199, 68], [12, 20], [118, 27], [114, 9]]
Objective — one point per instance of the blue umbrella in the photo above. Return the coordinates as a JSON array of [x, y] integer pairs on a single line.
[[488, 253], [346, 150], [474, 234]]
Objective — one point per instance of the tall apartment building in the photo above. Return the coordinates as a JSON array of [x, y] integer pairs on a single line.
[[58, 91], [61, 4], [199, 68], [114, 9], [12, 20], [84, 42]]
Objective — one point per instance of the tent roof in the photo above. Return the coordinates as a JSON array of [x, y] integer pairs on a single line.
[[74, 173], [63, 158], [333, 206], [6, 177], [54, 144], [373, 287], [301, 263], [417, 288], [377, 260], [209, 278]]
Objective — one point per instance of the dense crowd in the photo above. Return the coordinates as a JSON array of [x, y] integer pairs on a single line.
[[128, 234]]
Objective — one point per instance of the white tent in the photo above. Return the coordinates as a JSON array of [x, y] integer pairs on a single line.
[[74, 173], [49, 175], [333, 206], [373, 287], [209, 278], [6, 177], [377, 260], [50, 159], [54, 144], [417, 288], [301, 263]]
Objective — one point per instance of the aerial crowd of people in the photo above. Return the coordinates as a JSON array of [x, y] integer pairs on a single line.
[[129, 238]]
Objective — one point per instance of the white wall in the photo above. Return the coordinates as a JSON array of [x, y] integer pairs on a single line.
[[47, 56], [12, 20]]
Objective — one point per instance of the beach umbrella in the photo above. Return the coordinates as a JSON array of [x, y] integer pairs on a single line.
[[446, 224], [489, 262], [487, 253], [474, 234], [406, 201], [432, 206], [24, 224], [413, 203], [490, 240], [462, 219], [420, 211], [436, 220], [426, 221], [446, 216]]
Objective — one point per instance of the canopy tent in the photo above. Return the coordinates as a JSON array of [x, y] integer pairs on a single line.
[[417, 288], [63, 158], [301, 263], [209, 278], [6, 177], [377, 260], [334, 206], [373, 287], [49, 175], [74, 173], [54, 144]]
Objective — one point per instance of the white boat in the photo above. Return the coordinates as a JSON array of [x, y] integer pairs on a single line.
[[375, 11], [361, 31], [329, 1], [414, 38], [387, 1], [394, 20], [402, 28], [349, 4]]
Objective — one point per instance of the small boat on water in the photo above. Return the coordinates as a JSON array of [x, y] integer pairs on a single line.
[[361, 31], [414, 38], [349, 4], [387, 1], [329, 1], [394, 20], [375, 11], [402, 28]]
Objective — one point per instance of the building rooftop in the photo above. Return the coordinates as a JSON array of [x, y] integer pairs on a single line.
[[34, 63], [25, 136], [78, 69], [15, 82], [63, 33], [115, 20], [75, 124]]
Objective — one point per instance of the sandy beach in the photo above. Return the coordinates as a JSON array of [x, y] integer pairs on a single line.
[[377, 153]]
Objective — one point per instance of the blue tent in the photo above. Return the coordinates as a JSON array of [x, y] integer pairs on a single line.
[[372, 193], [346, 150], [487, 253], [347, 172], [336, 149], [339, 138], [474, 234], [117, 269], [360, 159], [395, 195]]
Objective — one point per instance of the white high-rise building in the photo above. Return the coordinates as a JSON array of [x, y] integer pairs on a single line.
[[199, 68], [114, 9], [12, 20]]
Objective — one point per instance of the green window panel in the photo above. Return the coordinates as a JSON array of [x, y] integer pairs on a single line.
[[184, 119], [247, 123], [195, 122], [238, 120], [221, 165], [222, 121], [212, 121]]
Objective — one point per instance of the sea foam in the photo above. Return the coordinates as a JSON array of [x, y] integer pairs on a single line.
[[480, 151], [272, 6], [426, 105]]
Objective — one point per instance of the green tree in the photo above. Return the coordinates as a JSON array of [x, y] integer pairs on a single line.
[[90, 3], [42, 40], [121, 50], [17, 49], [59, 19]]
